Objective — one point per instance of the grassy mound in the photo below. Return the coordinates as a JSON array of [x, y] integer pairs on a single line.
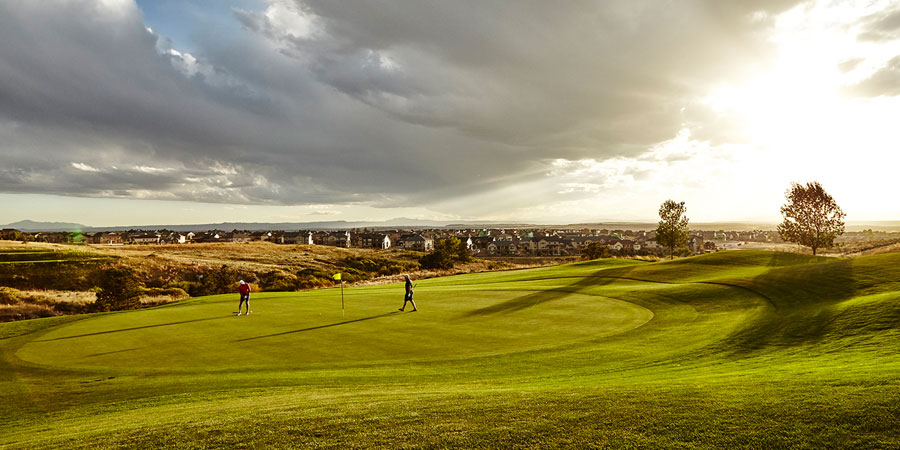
[[744, 349]]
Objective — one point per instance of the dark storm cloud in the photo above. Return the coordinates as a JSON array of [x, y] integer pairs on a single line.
[[383, 103], [581, 75], [81, 83]]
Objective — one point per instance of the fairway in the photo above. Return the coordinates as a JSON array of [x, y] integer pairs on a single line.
[[744, 349]]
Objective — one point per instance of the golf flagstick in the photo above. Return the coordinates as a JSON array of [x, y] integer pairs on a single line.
[[338, 277]]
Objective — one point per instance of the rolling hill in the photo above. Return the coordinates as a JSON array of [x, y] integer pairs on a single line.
[[744, 349]]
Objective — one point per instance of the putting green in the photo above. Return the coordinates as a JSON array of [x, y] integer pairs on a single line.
[[306, 329]]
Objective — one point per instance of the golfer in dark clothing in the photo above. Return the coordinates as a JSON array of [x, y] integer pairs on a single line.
[[244, 289], [409, 295]]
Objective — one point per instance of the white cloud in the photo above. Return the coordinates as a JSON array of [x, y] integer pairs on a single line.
[[325, 212], [287, 17], [84, 167], [149, 169]]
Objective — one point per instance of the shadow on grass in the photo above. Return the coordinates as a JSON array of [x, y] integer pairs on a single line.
[[320, 326], [129, 329], [802, 297], [114, 351], [527, 301]]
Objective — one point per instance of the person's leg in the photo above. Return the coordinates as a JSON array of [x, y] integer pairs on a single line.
[[405, 299], [244, 298], [413, 303], [248, 304]]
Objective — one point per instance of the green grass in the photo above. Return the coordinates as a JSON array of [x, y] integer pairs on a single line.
[[730, 350]]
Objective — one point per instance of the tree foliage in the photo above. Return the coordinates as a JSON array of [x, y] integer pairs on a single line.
[[119, 289], [462, 251], [811, 216], [446, 253], [218, 281], [672, 230], [596, 250]]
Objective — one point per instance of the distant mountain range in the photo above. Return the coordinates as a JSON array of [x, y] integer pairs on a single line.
[[35, 227], [407, 223]]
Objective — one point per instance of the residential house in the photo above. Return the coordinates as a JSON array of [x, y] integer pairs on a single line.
[[616, 245], [417, 242], [111, 238], [240, 236], [480, 243], [551, 245], [695, 243], [648, 244], [143, 238], [372, 240], [337, 239], [298, 237], [211, 236], [526, 247], [467, 240], [505, 247]]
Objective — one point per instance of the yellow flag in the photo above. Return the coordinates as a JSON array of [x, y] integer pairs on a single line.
[[337, 276]]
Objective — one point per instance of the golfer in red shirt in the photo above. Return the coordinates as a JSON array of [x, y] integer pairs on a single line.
[[244, 289]]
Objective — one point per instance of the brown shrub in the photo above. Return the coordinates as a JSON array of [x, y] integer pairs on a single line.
[[173, 293], [10, 296], [9, 313]]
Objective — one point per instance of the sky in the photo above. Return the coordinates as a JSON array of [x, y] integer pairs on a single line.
[[116, 112]]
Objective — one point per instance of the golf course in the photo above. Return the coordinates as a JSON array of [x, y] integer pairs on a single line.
[[738, 349]]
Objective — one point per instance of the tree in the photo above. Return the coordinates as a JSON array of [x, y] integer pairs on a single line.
[[811, 216], [442, 256], [119, 289], [596, 250], [446, 253], [462, 251], [672, 230]]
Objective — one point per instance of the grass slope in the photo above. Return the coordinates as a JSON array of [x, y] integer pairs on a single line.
[[742, 349]]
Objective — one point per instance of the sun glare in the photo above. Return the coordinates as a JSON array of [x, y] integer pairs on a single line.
[[797, 118]]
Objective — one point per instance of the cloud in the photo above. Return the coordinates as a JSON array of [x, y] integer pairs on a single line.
[[84, 167], [883, 82], [881, 26], [585, 76], [850, 64], [324, 213], [377, 103]]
